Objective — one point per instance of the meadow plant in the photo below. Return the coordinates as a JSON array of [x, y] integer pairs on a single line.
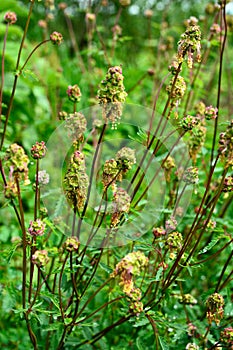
[[117, 227]]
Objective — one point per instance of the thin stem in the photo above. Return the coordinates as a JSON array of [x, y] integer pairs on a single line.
[[223, 271], [91, 177], [219, 81], [30, 55], [16, 75], [3, 69], [24, 240]]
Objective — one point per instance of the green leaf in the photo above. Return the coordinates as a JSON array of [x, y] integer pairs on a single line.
[[163, 344]]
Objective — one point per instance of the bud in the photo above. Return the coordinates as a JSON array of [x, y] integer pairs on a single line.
[[125, 158], [226, 144], [10, 17], [38, 150], [227, 337], [125, 2], [211, 113], [188, 122], [74, 93], [228, 184], [17, 162], [121, 204], [40, 258], [56, 38], [71, 244], [37, 228], [191, 176], [158, 232], [148, 13], [43, 177], [76, 125], [215, 304]]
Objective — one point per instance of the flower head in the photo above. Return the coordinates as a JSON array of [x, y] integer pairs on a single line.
[[227, 337], [74, 93], [191, 175], [37, 228], [111, 95], [215, 304], [10, 17], [125, 158], [38, 150], [76, 180], [40, 258], [71, 244], [76, 125], [43, 177], [56, 38], [17, 162], [211, 112], [225, 148]]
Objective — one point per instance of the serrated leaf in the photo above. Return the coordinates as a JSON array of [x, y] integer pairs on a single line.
[[163, 344]]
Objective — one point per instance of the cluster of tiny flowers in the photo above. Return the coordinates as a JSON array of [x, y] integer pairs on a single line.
[[228, 184], [192, 346], [168, 165], [188, 299], [189, 43], [191, 329], [114, 168], [190, 176], [74, 93], [125, 158], [215, 304], [10, 17], [10, 190], [43, 177], [17, 163], [111, 173], [158, 232], [56, 38], [174, 240], [111, 95], [196, 141], [226, 144], [227, 337], [200, 108], [211, 112], [121, 204], [71, 244], [215, 29], [37, 228], [129, 267], [76, 125], [40, 258], [38, 150], [189, 122], [76, 180], [177, 90], [170, 224]]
